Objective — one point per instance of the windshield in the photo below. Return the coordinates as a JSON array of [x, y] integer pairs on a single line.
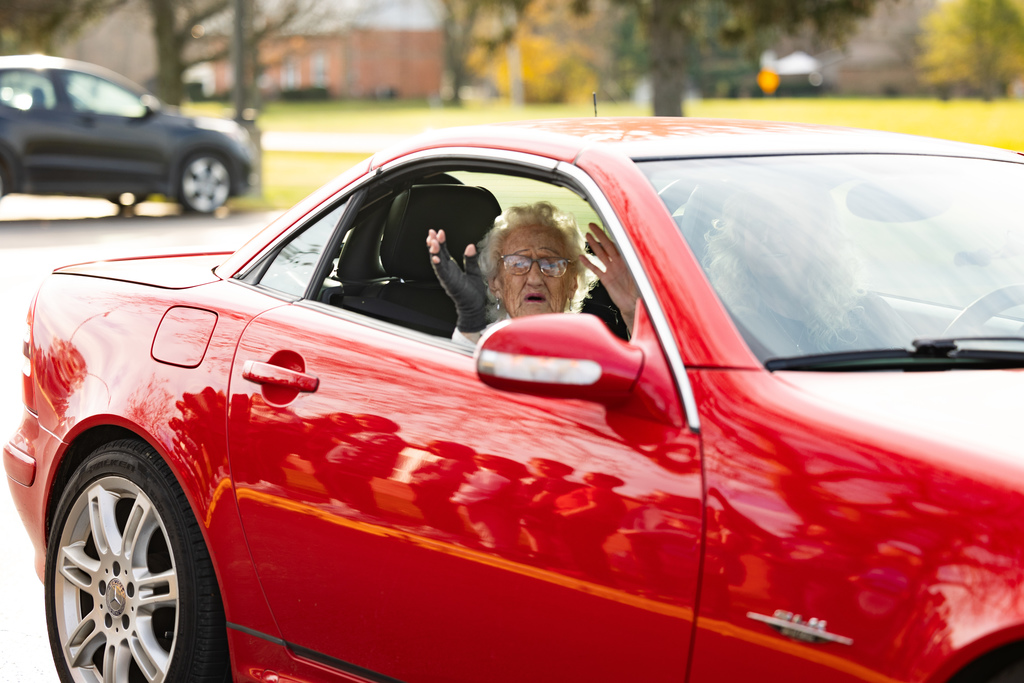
[[825, 254]]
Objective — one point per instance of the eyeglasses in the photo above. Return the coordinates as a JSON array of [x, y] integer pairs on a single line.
[[552, 266]]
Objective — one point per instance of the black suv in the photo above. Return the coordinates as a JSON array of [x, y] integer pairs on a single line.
[[72, 128]]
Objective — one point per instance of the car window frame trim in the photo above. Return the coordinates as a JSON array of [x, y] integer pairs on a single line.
[[592, 194], [351, 204], [655, 312], [257, 267]]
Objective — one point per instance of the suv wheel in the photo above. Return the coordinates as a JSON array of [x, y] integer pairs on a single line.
[[205, 183]]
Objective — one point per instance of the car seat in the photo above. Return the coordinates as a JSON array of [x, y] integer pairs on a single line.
[[411, 295]]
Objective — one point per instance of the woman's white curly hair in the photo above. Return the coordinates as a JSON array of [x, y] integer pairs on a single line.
[[832, 291], [544, 214]]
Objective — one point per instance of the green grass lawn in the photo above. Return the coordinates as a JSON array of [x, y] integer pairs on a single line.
[[998, 123], [290, 176], [404, 116]]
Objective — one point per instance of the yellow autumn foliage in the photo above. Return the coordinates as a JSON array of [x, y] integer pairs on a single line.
[[560, 54], [976, 43]]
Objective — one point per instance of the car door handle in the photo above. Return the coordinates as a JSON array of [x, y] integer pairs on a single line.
[[266, 373]]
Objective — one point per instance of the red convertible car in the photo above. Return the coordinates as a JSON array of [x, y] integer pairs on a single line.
[[804, 462]]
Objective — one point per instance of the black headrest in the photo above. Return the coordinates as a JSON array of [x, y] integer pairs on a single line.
[[464, 213]]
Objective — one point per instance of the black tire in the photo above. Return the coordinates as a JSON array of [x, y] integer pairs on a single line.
[[126, 208], [145, 609], [136, 199], [205, 183]]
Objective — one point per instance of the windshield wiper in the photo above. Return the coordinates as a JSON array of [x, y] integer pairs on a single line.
[[988, 348], [926, 354]]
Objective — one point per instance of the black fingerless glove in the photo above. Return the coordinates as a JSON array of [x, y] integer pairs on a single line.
[[466, 289]]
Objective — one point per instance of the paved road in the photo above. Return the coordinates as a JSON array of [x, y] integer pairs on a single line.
[[37, 235]]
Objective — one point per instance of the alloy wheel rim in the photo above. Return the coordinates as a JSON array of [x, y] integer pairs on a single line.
[[205, 184], [116, 587]]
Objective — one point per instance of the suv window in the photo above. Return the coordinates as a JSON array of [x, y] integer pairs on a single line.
[[94, 95], [26, 90]]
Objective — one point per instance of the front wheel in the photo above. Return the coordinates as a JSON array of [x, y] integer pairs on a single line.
[[130, 589], [205, 183]]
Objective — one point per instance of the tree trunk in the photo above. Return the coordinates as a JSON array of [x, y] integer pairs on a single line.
[[459, 21], [168, 52], [453, 60], [668, 36]]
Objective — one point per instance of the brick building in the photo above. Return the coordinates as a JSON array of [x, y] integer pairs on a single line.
[[389, 48], [368, 48], [358, 63]]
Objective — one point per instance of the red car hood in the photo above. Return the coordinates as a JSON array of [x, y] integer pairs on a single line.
[[178, 271], [972, 410]]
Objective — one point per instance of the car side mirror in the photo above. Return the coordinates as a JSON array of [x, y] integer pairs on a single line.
[[559, 355], [151, 104]]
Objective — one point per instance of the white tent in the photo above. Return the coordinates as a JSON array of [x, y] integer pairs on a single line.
[[797, 64]]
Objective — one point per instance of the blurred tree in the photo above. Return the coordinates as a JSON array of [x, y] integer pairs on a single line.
[[175, 24], [978, 44], [30, 26], [190, 32], [629, 59], [673, 26], [459, 21], [561, 55], [560, 52], [470, 25], [186, 32], [726, 67]]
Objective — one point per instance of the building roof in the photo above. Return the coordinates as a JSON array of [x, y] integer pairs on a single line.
[[386, 15]]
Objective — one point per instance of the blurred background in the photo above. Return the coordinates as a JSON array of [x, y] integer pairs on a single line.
[[327, 82]]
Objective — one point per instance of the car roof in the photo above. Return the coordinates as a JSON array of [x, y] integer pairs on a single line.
[[682, 137], [48, 62], [637, 138]]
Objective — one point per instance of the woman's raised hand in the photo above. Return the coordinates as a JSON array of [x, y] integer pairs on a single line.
[[613, 273], [466, 289]]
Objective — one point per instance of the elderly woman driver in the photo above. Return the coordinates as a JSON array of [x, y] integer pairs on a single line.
[[530, 262]]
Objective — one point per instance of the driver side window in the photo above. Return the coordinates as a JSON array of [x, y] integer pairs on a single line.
[[382, 271], [92, 95]]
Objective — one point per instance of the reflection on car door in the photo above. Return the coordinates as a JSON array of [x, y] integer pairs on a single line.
[[407, 520]]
